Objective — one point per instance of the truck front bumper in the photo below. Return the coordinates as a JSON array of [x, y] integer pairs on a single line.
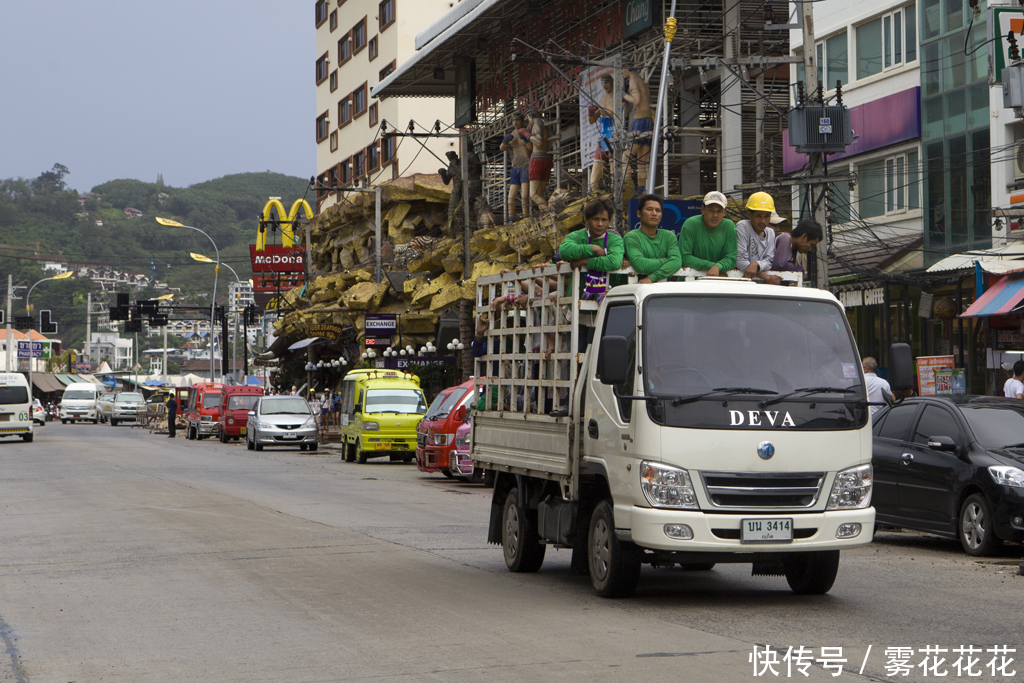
[[720, 533]]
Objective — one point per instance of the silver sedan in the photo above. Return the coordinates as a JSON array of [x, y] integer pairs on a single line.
[[281, 421]]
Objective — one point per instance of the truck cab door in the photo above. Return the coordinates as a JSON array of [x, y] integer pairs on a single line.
[[608, 428]]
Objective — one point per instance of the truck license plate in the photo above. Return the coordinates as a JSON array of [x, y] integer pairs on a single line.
[[242, 431], [384, 446], [766, 530], [290, 435]]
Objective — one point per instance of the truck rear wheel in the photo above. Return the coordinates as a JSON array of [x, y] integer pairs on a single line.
[[350, 452], [27, 438], [519, 539], [812, 573], [614, 564]]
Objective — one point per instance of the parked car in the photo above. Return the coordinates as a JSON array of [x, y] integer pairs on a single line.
[[38, 413], [235, 404], [106, 406], [127, 406], [435, 434], [953, 468], [281, 421], [460, 463], [202, 410]]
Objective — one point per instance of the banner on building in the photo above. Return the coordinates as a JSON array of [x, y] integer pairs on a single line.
[[636, 16], [673, 215], [950, 382], [380, 324]]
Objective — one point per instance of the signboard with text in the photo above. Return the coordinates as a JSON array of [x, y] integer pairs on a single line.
[[278, 259], [37, 349], [926, 367], [380, 324]]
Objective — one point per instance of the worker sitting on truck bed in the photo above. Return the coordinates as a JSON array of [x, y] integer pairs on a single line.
[[755, 241], [802, 240], [708, 241], [595, 247], [653, 252]]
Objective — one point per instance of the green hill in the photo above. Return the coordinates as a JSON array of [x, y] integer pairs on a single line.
[[41, 220]]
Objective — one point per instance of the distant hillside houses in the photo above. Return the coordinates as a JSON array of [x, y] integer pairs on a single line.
[[108, 279]]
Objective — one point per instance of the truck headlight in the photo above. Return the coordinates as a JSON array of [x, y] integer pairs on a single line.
[[441, 439], [370, 426], [851, 489], [1007, 476], [667, 487]]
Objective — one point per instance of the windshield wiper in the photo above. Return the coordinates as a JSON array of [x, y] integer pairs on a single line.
[[720, 390], [807, 391], [1014, 445]]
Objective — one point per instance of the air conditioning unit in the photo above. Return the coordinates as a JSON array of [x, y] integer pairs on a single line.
[[820, 129], [1018, 160], [1013, 87]]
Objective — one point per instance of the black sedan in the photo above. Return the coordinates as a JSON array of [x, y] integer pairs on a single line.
[[953, 468]]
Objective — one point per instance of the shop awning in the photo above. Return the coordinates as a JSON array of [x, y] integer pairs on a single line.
[[996, 260], [46, 382], [1000, 299]]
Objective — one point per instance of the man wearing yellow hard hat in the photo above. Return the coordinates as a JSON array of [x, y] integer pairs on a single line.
[[755, 240]]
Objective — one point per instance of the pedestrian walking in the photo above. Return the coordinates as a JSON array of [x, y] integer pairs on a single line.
[[172, 415]]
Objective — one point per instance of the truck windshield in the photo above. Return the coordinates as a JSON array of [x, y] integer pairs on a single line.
[[395, 401], [244, 402], [768, 345], [77, 395], [211, 400], [129, 398]]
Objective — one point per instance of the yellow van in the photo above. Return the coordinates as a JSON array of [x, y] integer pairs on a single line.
[[380, 410]]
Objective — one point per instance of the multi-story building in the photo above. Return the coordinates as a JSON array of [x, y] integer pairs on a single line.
[[358, 43], [239, 295]]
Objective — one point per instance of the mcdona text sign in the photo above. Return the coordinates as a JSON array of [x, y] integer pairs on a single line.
[[380, 324], [278, 259]]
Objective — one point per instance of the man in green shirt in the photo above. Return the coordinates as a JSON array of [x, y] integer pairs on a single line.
[[652, 252], [708, 242]]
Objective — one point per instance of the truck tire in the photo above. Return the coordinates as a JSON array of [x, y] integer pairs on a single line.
[[362, 455], [350, 452], [312, 447], [520, 542], [113, 423], [614, 564], [812, 573], [223, 437], [27, 438]]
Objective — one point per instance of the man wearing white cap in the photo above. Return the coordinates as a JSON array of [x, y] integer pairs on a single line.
[[708, 241], [755, 241]]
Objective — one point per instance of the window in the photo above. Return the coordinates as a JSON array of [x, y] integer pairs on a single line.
[[321, 68], [386, 14], [359, 36], [321, 12], [322, 125], [832, 62], [359, 101], [387, 71], [897, 421], [344, 111], [887, 42], [345, 172], [372, 158], [871, 189], [334, 81], [620, 321], [373, 115], [334, 141], [344, 49], [334, 20], [936, 422], [358, 169], [387, 148], [373, 48]]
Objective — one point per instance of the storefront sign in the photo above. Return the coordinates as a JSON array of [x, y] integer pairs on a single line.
[[380, 324], [377, 341], [1007, 340], [926, 367], [950, 381], [278, 259], [325, 330], [874, 297], [84, 366], [39, 349], [636, 16], [852, 299]]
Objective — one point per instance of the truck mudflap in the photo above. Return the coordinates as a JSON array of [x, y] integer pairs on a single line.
[[649, 528]]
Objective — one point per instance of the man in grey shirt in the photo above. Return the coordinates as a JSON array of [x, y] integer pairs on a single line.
[[755, 241]]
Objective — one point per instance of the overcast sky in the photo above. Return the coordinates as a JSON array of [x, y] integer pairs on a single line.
[[192, 89]]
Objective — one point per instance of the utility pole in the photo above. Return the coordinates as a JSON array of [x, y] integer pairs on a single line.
[[88, 328], [816, 160], [760, 111], [10, 335]]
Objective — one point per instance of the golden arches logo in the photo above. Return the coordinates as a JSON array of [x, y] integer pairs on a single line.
[[287, 221]]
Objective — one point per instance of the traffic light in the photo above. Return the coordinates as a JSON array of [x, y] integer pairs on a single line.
[[133, 326], [23, 322], [121, 311], [46, 325]]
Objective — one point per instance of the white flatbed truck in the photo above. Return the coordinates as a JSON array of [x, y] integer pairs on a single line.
[[707, 421]]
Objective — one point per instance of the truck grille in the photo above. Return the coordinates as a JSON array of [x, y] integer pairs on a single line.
[[421, 439], [763, 489]]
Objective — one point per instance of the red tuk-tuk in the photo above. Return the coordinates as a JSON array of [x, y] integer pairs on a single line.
[[202, 410], [235, 404]]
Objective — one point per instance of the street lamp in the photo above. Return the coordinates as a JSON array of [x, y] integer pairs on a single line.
[[216, 271], [202, 258], [28, 311], [455, 345]]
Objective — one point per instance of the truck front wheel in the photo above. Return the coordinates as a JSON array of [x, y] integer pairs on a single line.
[[614, 564], [812, 573], [519, 539]]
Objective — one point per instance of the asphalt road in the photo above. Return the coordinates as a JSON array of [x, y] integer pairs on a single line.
[[130, 557]]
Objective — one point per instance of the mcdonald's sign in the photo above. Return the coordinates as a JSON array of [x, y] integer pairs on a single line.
[[287, 221]]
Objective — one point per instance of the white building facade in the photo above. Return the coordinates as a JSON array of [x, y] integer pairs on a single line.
[[358, 43]]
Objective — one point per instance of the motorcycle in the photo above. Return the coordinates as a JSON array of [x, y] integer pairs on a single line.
[[52, 413]]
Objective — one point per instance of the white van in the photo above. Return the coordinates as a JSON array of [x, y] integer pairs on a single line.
[[81, 402], [15, 406]]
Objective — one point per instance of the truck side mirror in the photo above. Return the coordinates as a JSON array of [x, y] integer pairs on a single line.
[[901, 367], [462, 413], [613, 360], [359, 408]]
